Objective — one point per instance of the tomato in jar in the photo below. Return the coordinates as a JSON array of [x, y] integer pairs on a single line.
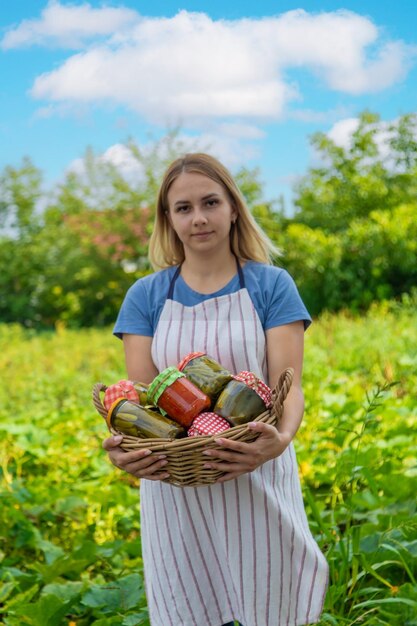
[[172, 392]]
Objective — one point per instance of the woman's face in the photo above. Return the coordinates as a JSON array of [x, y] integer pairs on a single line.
[[201, 213]]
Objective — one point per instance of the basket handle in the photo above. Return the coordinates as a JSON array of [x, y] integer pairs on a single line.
[[97, 389], [281, 391]]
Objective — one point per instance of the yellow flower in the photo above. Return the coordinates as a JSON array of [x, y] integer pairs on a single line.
[[305, 469]]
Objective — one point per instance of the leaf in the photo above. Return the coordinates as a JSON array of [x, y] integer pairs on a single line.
[[47, 611], [5, 590], [66, 592], [123, 594], [393, 601], [136, 619], [21, 598], [50, 550]]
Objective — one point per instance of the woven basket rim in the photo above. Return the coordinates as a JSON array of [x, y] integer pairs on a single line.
[[284, 381]]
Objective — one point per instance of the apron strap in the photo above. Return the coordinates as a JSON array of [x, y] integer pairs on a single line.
[[178, 270], [240, 272], [172, 283]]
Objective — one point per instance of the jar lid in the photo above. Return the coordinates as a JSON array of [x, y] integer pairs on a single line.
[[112, 408], [255, 383], [207, 423], [189, 358], [121, 389], [161, 382]]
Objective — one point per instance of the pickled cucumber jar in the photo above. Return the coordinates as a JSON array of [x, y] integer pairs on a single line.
[[142, 391], [173, 393], [132, 419], [243, 399], [206, 373]]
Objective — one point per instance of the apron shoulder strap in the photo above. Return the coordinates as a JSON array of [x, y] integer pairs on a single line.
[[240, 272], [172, 283]]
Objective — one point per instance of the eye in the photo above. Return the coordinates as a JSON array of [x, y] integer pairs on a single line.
[[212, 202], [182, 208]]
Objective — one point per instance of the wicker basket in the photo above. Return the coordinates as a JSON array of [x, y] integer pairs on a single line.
[[185, 461]]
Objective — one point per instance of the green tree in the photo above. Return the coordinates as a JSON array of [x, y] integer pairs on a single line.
[[20, 191], [377, 170], [74, 260]]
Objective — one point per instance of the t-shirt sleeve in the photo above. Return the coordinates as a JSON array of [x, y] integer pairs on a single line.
[[134, 316], [284, 303]]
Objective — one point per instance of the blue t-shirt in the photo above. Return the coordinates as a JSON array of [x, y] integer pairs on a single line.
[[271, 289]]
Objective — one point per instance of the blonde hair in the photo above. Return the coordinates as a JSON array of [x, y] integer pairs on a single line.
[[247, 240]]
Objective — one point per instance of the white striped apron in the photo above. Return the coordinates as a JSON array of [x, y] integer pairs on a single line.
[[236, 550]]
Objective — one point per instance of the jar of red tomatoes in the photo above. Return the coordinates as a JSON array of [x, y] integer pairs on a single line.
[[172, 392]]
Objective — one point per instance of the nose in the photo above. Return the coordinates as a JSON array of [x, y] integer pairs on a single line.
[[199, 217]]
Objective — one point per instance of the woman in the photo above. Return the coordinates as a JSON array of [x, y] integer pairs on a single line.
[[241, 548]]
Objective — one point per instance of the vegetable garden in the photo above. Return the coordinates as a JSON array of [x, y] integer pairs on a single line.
[[70, 551]]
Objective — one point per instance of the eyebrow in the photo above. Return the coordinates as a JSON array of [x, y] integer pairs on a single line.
[[206, 197]]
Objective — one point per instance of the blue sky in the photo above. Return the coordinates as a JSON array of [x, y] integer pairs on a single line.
[[250, 80]]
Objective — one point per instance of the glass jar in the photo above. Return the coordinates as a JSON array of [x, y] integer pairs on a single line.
[[142, 391], [132, 419], [206, 373], [243, 399], [173, 393]]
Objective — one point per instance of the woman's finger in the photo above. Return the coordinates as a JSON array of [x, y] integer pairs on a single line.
[[137, 460], [112, 442], [229, 476], [224, 455], [229, 444], [227, 466]]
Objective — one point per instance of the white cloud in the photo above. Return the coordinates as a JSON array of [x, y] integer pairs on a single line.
[[191, 68], [231, 143], [68, 25], [341, 132], [118, 155]]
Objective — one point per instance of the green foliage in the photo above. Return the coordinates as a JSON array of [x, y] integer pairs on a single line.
[[70, 539], [353, 181], [353, 237], [69, 256], [359, 464], [70, 551], [373, 259], [89, 244], [20, 189], [313, 258]]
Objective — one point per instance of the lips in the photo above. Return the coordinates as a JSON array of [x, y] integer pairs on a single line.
[[205, 234]]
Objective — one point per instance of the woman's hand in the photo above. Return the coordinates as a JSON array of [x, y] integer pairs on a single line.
[[140, 463], [236, 457]]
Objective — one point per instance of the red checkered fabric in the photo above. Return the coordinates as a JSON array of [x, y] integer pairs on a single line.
[[122, 389], [257, 385], [207, 424]]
